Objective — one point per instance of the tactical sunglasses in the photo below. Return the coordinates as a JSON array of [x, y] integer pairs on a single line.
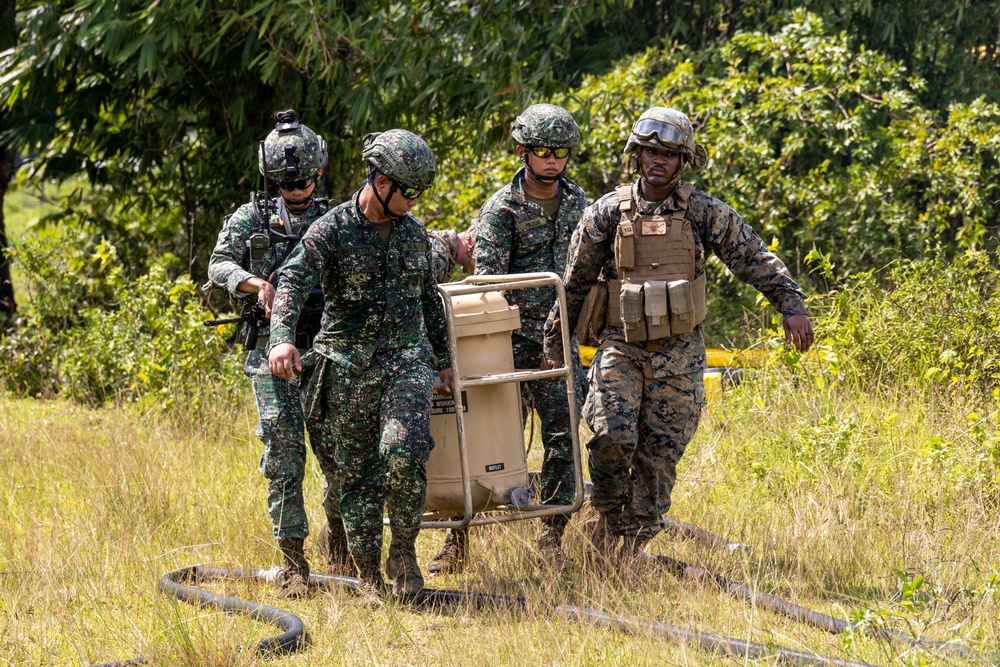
[[544, 152], [300, 184], [665, 133], [408, 192]]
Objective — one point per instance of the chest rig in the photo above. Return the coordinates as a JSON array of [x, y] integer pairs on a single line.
[[282, 224], [656, 294]]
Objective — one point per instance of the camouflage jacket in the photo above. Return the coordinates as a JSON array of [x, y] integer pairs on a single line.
[[514, 235], [717, 228], [444, 252], [378, 299]]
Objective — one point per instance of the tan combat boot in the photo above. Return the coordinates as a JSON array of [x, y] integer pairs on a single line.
[[604, 538], [451, 558], [332, 542], [371, 585], [632, 549], [402, 565], [294, 576]]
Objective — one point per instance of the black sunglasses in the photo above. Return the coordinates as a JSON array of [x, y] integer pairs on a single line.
[[300, 184], [545, 151], [408, 192]]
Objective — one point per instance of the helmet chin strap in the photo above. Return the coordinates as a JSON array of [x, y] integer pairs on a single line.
[[680, 172], [384, 202], [304, 200], [673, 182], [298, 202]]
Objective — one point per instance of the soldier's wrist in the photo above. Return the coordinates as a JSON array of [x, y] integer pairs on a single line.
[[279, 336]]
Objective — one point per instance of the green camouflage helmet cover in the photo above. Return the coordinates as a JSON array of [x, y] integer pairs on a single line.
[[545, 125], [402, 156], [291, 151], [663, 127]]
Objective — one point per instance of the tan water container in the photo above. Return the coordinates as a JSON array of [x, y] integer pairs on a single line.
[[494, 431]]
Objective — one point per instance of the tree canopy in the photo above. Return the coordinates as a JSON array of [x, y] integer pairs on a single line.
[[849, 134], [160, 104]]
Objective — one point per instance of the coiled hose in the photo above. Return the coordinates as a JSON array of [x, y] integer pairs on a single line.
[[294, 636]]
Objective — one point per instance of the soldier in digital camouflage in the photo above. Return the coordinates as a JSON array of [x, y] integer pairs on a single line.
[[249, 250], [635, 286], [525, 227], [368, 377], [450, 249]]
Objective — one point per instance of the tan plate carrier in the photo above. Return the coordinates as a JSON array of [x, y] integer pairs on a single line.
[[656, 294]]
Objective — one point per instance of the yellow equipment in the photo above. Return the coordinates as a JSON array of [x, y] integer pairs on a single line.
[[722, 369]]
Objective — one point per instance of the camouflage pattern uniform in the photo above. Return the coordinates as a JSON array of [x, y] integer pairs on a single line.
[[368, 377], [444, 253], [645, 399], [280, 425], [514, 235]]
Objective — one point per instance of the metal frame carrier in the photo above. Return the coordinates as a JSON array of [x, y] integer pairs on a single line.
[[505, 512]]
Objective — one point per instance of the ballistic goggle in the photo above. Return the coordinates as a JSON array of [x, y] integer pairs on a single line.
[[407, 191], [667, 134]]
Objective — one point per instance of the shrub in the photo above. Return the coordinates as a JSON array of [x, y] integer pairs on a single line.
[[93, 334], [918, 324]]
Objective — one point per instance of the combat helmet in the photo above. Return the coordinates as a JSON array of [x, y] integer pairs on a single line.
[[663, 127], [402, 156], [545, 125], [291, 151]]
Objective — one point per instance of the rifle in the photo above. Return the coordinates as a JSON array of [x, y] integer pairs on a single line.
[[252, 318]]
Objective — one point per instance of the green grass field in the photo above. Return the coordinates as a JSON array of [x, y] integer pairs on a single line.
[[845, 500]]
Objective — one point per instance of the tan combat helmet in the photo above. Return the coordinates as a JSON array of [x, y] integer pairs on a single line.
[[663, 127]]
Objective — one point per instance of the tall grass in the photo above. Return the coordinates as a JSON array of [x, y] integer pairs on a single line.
[[864, 485], [844, 498]]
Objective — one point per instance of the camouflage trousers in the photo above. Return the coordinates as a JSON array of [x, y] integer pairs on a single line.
[[641, 425], [550, 401], [283, 462], [377, 426]]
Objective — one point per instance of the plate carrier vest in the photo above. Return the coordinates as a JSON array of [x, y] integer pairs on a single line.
[[656, 295]]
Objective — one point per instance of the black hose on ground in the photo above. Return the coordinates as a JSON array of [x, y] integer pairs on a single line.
[[701, 535], [706, 641], [800, 613], [294, 639]]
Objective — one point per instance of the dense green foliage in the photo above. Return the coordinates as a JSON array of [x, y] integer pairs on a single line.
[[924, 324], [161, 105], [101, 336], [848, 134], [827, 152]]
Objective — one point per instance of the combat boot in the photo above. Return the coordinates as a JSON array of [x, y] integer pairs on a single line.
[[451, 558], [402, 565], [294, 576], [550, 541], [603, 540], [633, 547], [371, 585], [332, 542]]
